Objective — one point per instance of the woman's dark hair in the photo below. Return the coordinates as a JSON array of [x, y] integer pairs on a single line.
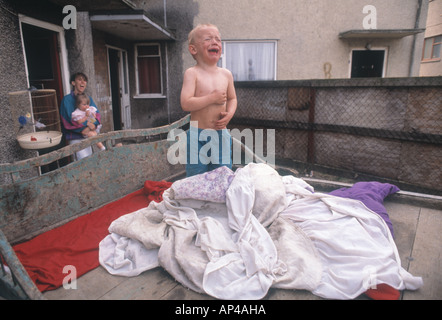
[[77, 75]]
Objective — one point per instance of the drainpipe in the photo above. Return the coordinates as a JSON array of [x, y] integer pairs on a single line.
[[167, 64], [416, 26], [311, 128], [165, 13], [167, 82]]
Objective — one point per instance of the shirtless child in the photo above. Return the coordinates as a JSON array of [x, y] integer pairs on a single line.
[[209, 95]]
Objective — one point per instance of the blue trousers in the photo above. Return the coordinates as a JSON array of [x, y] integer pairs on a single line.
[[207, 149]]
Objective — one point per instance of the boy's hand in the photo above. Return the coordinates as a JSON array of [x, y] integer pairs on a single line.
[[219, 97], [224, 120]]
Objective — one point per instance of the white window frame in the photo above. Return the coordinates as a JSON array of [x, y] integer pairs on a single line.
[[275, 42], [139, 95], [62, 44]]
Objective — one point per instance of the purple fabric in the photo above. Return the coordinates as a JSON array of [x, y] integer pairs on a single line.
[[372, 194]]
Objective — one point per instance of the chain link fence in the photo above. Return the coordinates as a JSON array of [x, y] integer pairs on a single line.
[[380, 129]]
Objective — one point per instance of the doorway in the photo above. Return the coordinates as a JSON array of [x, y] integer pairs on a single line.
[[118, 78], [42, 58], [45, 65], [367, 63]]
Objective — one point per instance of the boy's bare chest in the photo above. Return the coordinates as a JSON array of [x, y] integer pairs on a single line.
[[208, 84]]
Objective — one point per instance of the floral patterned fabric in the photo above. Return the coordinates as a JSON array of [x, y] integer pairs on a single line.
[[208, 186]]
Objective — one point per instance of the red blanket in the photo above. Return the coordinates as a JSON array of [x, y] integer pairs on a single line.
[[76, 242]]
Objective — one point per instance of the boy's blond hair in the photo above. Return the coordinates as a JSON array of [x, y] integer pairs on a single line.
[[191, 37]]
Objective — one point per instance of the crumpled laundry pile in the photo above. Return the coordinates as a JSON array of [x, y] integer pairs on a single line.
[[234, 235]]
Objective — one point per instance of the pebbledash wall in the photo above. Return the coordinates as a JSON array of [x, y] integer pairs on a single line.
[[384, 129]]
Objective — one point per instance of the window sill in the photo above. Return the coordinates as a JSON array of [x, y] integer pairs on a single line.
[[150, 96], [431, 60]]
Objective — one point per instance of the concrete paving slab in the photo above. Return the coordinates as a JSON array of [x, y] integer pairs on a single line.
[[426, 256], [90, 286], [418, 238]]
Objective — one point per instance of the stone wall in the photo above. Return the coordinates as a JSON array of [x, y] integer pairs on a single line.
[[13, 79]]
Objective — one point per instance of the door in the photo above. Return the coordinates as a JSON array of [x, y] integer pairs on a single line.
[[118, 73], [124, 89], [42, 58], [42, 52], [367, 63]]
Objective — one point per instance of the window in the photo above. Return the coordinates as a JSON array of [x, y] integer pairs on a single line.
[[432, 48], [367, 63], [251, 60], [148, 66]]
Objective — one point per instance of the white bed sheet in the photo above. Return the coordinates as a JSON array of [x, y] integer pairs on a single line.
[[235, 235]]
